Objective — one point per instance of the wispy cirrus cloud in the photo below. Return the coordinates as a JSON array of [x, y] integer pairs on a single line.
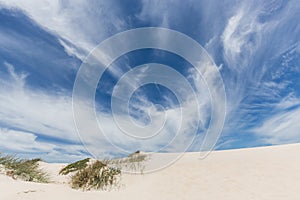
[[35, 121], [39, 121], [245, 39], [256, 45], [281, 128], [76, 22], [253, 45]]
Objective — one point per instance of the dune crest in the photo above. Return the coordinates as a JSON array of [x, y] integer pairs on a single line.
[[257, 173]]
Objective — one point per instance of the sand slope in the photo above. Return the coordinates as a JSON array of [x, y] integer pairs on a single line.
[[258, 173]]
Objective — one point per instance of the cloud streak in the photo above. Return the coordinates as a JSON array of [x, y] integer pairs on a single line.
[[76, 22], [255, 44], [282, 128], [28, 115]]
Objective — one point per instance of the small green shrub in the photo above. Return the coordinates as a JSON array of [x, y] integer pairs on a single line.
[[96, 176], [27, 170], [81, 164]]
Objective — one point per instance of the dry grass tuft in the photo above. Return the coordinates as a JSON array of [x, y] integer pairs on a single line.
[[27, 170], [134, 163], [96, 176], [90, 174]]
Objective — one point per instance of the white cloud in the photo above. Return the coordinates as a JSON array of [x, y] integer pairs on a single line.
[[182, 125], [76, 22], [71, 50], [281, 128], [288, 102], [252, 41], [232, 43], [156, 12], [29, 109], [20, 141], [28, 114], [245, 39]]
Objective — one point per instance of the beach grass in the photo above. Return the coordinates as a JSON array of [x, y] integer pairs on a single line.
[[88, 174], [97, 175], [133, 163], [73, 167], [26, 170]]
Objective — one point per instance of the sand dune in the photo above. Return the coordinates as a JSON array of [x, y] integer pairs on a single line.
[[257, 173]]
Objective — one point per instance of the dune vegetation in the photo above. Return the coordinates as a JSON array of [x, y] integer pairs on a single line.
[[23, 169], [73, 167], [88, 174], [97, 175]]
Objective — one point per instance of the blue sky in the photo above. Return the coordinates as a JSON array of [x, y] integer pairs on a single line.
[[255, 45]]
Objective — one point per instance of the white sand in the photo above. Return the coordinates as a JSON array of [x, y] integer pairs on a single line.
[[258, 173]]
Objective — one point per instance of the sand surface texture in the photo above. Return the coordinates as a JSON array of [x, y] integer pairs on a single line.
[[257, 173]]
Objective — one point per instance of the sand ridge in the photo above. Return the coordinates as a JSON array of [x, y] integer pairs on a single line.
[[255, 173]]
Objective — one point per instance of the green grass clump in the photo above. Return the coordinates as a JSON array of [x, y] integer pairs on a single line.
[[96, 176], [27, 170], [81, 164]]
